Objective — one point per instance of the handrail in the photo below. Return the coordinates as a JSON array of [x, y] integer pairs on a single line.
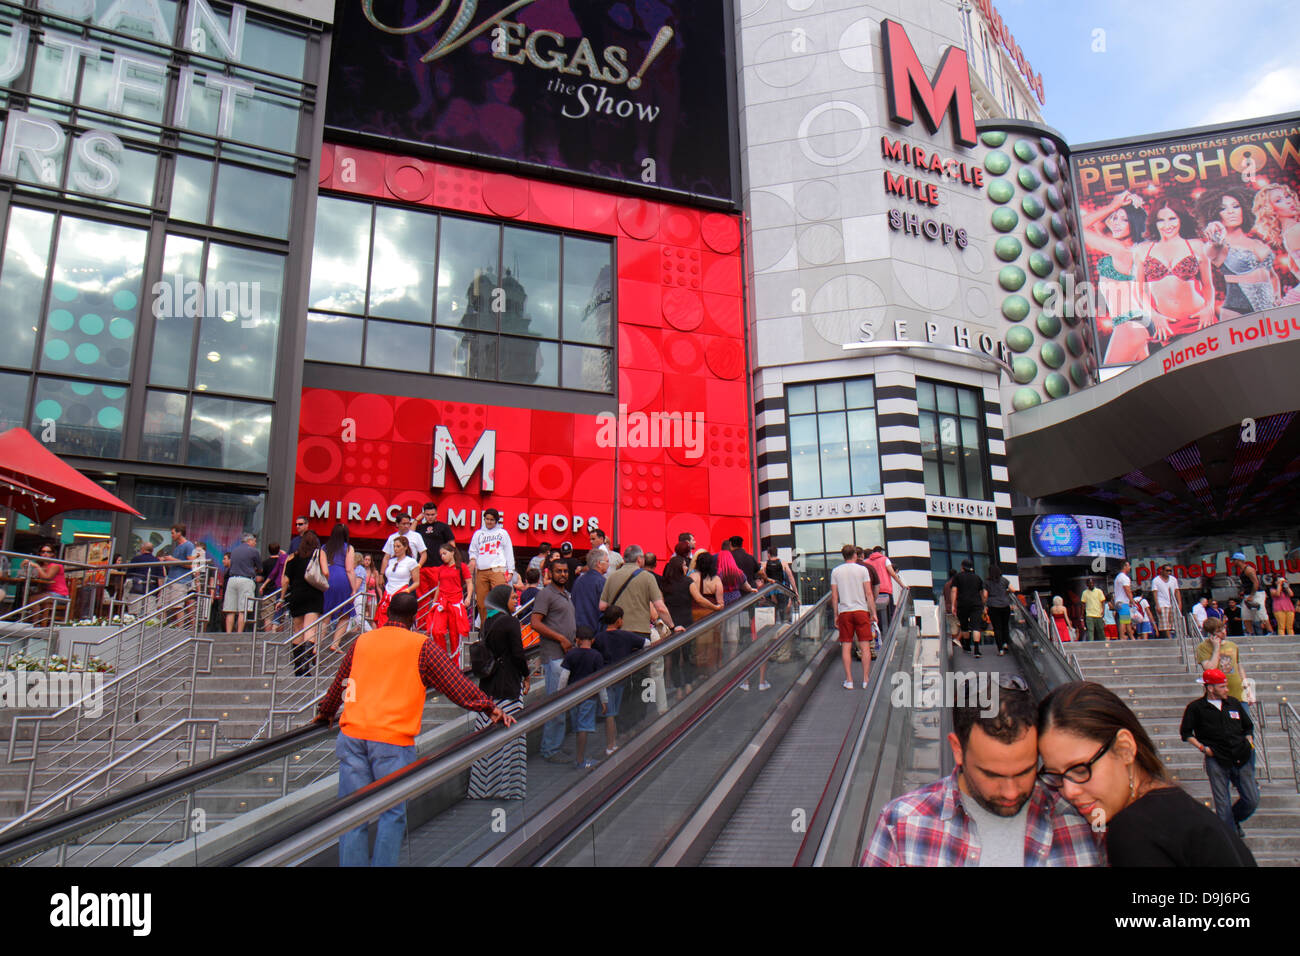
[[318, 829], [46, 834], [1260, 717], [1291, 725], [71, 790]]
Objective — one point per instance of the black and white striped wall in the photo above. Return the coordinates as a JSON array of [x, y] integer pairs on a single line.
[[907, 536]]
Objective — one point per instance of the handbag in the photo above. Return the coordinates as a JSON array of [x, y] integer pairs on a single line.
[[315, 577]]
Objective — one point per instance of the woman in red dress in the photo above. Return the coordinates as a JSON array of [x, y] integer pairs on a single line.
[[1060, 619], [446, 621]]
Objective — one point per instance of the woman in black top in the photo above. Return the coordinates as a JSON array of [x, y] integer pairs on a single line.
[[1095, 751], [677, 598], [998, 604], [306, 601], [503, 773]]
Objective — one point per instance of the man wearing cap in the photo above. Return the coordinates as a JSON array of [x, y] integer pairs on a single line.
[[491, 558], [572, 563], [1253, 606], [1219, 726], [385, 675]]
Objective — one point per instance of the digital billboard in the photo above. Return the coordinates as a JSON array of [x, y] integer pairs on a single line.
[[1070, 536], [1186, 232], [636, 93]]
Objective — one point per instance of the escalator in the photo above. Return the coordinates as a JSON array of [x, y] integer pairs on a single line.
[[710, 770]]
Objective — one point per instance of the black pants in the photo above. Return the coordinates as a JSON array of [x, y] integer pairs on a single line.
[[1000, 617]]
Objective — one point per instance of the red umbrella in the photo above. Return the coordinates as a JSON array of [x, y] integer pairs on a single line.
[[57, 486]]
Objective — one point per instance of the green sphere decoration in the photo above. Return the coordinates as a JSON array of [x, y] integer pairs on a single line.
[[1052, 354], [1054, 198], [1042, 292], [1039, 264], [1079, 375], [1049, 325], [1049, 147], [1004, 219], [1032, 207], [1059, 229], [1063, 255], [1056, 385], [1028, 178], [1025, 151], [1008, 249], [997, 162], [1019, 339], [994, 137], [1011, 278], [1025, 398], [1015, 307], [1051, 172], [1000, 190], [1036, 235], [1074, 342], [1023, 369]]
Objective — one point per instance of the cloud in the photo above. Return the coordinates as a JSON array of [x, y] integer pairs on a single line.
[[1277, 90]]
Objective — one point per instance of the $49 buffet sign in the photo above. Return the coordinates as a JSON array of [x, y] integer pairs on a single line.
[[630, 92]]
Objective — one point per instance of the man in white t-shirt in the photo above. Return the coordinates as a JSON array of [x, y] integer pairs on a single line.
[[491, 558], [1168, 601], [854, 600], [413, 538], [1124, 603], [1201, 611]]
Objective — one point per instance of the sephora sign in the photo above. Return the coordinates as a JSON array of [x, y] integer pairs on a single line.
[[39, 143]]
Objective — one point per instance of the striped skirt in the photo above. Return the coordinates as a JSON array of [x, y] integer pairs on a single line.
[[504, 773]]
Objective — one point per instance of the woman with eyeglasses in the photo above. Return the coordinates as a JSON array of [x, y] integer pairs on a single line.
[[1096, 753]]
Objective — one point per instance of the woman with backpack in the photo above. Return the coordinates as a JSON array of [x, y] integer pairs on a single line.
[[499, 663]]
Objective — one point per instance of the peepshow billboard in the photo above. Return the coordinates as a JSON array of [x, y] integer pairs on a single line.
[[633, 92], [1186, 232]]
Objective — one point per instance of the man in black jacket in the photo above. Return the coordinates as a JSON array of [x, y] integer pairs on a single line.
[[1220, 727], [744, 560]]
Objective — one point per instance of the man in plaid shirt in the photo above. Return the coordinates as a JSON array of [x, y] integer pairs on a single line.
[[991, 811]]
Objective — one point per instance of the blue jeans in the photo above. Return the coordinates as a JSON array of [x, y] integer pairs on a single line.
[[362, 762], [553, 732], [1243, 778]]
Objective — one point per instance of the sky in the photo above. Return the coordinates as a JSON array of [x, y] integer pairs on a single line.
[[1119, 68]]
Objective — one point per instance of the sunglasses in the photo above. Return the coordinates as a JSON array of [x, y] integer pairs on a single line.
[[1079, 773]]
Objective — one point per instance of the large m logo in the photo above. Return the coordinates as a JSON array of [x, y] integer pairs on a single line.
[[483, 454], [906, 84]]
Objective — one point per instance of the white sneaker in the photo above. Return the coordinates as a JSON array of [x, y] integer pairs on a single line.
[[848, 685], [745, 686], [764, 685]]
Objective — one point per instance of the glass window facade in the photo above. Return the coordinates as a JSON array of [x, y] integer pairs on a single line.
[[953, 440], [953, 541], [834, 444], [423, 292], [817, 548]]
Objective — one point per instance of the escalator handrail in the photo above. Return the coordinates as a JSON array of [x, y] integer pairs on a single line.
[[46, 834], [319, 827]]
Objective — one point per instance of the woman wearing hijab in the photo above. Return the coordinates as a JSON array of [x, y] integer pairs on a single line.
[[504, 773]]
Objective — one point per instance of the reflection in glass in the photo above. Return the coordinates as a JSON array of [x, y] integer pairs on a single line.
[[528, 362], [164, 427], [334, 338], [13, 399], [530, 279], [402, 268], [805, 458], [397, 345], [267, 120], [835, 453], [87, 417], [467, 269], [340, 256], [144, 83], [252, 201], [465, 354], [864, 456], [240, 330], [802, 399], [830, 396], [229, 434], [190, 188], [588, 302], [591, 370], [859, 393], [972, 465], [173, 337], [157, 503], [22, 281], [274, 50], [94, 299], [217, 518]]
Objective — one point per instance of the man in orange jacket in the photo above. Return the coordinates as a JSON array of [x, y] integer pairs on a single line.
[[383, 679]]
